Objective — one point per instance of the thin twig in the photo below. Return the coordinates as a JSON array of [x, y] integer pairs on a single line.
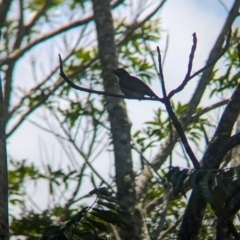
[[172, 228], [191, 57], [32, 94], [196, 116], [115, 232], [205, 134], [188, 74], [133, 27], [134, 146], [86, 158], [152, 56], [223, 5], [75, 192], [47, 130], [161, 74], [184, 156], [238, 47], [166, 49], [21, 51], [162, 217], [189, 77]]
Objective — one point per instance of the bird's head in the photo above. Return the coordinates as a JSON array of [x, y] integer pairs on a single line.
[[120, 72]]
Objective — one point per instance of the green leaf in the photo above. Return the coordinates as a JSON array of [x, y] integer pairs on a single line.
[[108, 216], [100, 226]]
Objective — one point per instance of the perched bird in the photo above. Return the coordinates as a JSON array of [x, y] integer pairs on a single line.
[[132, 87]]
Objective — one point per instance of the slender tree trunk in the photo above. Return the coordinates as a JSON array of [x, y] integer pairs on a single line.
[[3, 174], [212, 159], [120, 125], [222, 229], [4, 234], [4, 7]]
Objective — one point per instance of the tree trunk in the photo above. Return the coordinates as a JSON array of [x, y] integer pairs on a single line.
[[3, 174], [119, 122]]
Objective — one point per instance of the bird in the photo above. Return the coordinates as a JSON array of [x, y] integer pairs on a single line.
[[132, 87]]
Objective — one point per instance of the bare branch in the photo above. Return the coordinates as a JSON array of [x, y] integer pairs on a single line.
[[196, 116], [238, 47], [191, 57], [161, 73], [73, 85], [75, 72], [49, 90], [20, 52], [171, 228], [188, 77], [135, 25], [213, 62], [175, 121], [223, 5], [134, 146], [43, 98], [40, 13], [162, 217], [57, 135], [72, 199], [190, 62], [86, 159], [166, 49], [115, 232]]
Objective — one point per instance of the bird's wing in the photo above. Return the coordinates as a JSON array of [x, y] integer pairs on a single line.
[[137, 85]]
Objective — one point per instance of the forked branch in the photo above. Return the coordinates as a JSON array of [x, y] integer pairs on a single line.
[[174, 118], [188, 76]]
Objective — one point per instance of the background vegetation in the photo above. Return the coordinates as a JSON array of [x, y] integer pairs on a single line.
[[139, 197]]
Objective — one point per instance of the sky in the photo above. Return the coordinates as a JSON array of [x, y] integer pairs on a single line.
[[180, 19]]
